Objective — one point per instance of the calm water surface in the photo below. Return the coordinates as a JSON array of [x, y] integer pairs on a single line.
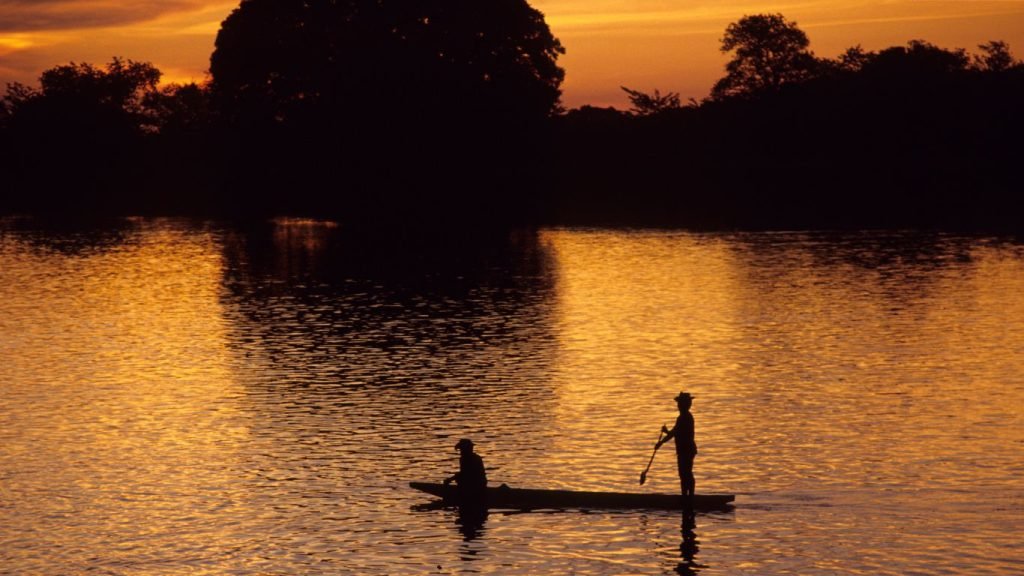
[[183, 397]]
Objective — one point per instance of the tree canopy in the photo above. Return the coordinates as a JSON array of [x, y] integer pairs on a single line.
[[995, 57], [285, 61], [770, 52], [87, 97], [918, 58], [644, 104], [412, 110], [80, 136]]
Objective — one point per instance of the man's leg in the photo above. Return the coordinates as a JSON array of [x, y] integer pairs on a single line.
[[689, 483], [685, 472]]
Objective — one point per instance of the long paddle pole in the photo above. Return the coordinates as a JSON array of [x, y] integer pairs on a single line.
[[643, 475]]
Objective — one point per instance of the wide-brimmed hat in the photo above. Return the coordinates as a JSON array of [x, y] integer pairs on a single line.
[[464, 443], [684, 396]]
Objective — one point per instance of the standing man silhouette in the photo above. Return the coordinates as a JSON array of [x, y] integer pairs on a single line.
[[686, 446]]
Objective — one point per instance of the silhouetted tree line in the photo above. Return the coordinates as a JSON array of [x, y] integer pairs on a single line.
[[443, 112], [909, 136], [100, 141]]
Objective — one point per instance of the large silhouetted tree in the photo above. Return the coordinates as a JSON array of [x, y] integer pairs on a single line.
[[411, 109], [293, 62], [770, 52]]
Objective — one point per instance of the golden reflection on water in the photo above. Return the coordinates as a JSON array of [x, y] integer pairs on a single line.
[[124, 393], [633, 331], [183, 397], [812, 359]]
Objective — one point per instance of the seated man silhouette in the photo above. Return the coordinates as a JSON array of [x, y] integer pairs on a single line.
[[471, 477]]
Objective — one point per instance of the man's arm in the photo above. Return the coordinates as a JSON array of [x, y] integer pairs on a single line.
[[668, 435]]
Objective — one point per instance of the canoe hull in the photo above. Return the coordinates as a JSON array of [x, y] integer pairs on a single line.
[[533, 499]]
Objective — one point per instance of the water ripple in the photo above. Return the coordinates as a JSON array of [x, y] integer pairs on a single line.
[[180, 396]]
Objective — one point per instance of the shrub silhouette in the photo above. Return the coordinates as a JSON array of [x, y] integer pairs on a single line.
[[74, 143]]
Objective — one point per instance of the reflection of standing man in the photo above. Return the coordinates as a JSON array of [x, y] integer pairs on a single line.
[[686, 446], [689, 546]]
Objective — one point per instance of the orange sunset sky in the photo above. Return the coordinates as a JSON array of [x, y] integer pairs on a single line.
[[671, 45]]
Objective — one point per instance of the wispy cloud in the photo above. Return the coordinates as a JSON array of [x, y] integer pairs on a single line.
[[176, 35], [39, 15], [572, 17]]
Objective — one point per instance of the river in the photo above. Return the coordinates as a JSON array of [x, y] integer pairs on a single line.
[[180, 396]]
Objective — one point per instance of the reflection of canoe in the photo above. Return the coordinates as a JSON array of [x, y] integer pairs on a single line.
[[524, 498]]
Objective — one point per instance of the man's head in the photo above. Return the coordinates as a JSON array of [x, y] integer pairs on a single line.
[[684, 401], [464, 445]]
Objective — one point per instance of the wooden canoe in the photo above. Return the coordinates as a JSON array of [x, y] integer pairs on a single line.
[[533, 499]]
